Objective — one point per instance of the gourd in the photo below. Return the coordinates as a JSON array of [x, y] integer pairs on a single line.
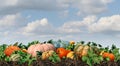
[[70, 55], [40, 47], [15, 57], [47, 54], [10, 49], [81, 49]]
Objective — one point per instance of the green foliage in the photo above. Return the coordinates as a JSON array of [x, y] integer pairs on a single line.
[[22, 46], [54, 58], [2, 48], [50, 41], [93, 55], [32, 43], [7, 59], [92, 58], [24, 57], [116, 52], [39, 53], [70, 47]]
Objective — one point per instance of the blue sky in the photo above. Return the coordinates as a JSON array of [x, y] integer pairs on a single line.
[[87, 20]]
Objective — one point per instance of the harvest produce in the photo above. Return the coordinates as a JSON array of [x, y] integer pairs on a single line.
[[70, 55], [40, 47], [15, 57], [59, 53], [109, 55], [81, 50], [47, 54], [10, 49], [62, 52]]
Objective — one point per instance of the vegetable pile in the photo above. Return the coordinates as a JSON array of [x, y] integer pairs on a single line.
[[58, 53]]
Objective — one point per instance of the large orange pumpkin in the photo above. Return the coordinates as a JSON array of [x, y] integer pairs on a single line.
[[10, 49], [40, 47]]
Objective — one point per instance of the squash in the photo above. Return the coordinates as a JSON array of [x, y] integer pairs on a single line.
[[70, 55], [81, 50], [62, 52], [10, 49], [15, 57], [85, 50], [40, 47], [78, 49], [47, 54], [111, 56]]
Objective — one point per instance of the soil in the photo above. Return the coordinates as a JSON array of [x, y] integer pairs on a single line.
[[64, 62]]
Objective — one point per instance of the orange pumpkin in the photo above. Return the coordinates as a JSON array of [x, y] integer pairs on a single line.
[[109, 55], [62, 52], [10, 49], [39, 47]]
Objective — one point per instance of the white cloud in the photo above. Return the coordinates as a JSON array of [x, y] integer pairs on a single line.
[[8, 3], [91, 24], [106, 24], [15, 6], [13, 25], [10, 22], [77, 26], [84, 7], [106, 1], [41, 27]]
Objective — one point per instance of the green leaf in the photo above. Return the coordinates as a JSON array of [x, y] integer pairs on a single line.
[[100, 58], [39, 53], [96, 60], [107, 59], [7, 59], [54, 58], [82, 42], [99, 45], [89, 62], [84, 58], [113, 47]]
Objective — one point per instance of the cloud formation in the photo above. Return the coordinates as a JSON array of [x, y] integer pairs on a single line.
[[77, 26], [17, 23], [82, 6], [104, 24], [38, 27], [12, 22], [17, 28]]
